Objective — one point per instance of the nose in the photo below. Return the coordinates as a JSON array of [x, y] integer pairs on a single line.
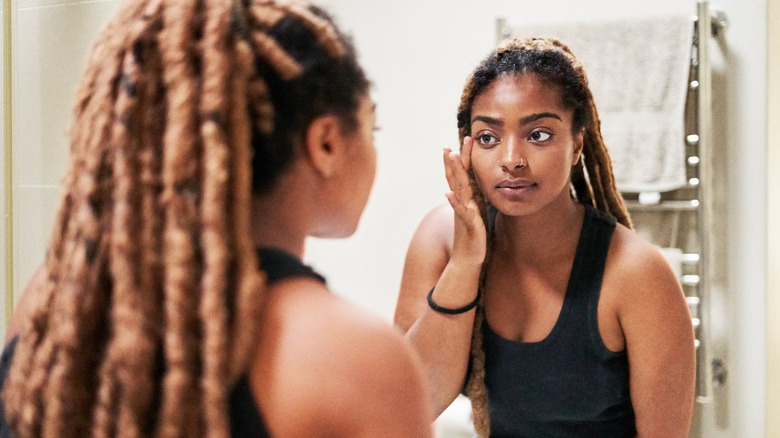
[[511, 158]]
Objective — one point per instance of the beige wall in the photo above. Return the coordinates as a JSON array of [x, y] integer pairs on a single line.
[[773, 219], [6, 229], [50, 41]]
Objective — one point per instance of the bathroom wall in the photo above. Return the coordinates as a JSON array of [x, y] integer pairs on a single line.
[[419, 53], [3, 173], [773, 221], [51, 39]]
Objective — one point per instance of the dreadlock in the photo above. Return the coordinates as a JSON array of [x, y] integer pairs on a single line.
[[148, 314], [591, 178]]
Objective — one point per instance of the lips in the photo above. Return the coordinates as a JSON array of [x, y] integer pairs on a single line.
[[515, 189], [515, 184]]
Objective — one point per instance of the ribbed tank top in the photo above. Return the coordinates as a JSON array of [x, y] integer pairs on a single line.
[[569, 384]]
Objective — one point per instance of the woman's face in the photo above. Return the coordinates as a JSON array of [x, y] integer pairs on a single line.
[[523, 144]]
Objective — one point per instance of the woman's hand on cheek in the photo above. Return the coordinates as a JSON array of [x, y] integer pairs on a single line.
[[470, 236]]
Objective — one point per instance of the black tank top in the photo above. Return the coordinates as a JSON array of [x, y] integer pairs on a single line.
[[569, 384], [245, 418]]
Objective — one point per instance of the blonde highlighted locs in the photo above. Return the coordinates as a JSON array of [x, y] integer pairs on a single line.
[[148, 313], [591, 178]]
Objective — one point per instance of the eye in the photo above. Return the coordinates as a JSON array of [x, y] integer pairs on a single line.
[[486, 138], [539, 136]]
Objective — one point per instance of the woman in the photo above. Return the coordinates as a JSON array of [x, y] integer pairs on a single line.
[[530, 292], [210, 136]]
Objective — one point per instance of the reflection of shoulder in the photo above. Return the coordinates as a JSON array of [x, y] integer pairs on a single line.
[[442, 214], [637, 264], [436, 228]]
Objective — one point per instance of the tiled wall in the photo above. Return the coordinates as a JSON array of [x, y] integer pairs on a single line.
[[51, 39]]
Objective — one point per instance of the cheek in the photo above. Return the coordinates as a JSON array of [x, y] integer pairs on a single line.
[[369, 159], [480, 169], [576, 148], [372, 166]]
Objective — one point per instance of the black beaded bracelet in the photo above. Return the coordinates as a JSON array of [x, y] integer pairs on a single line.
[[447, 311]]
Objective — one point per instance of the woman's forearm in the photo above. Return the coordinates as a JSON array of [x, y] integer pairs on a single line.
[[443, 341]]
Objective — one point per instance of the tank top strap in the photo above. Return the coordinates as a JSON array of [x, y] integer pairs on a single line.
[[587, 274], [591, 255], [279, 264]]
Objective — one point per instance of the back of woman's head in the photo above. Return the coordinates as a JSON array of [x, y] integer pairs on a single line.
[[330, 81], [186, 108]]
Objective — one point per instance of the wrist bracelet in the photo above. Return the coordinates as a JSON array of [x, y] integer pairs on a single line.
[[448, 311]]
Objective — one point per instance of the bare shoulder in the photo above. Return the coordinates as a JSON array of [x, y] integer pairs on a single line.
[[344, 371], [436, 227], [634, 260], [641, 285]]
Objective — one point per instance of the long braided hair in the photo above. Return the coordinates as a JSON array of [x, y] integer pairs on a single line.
[[591, 178], [149, 311]]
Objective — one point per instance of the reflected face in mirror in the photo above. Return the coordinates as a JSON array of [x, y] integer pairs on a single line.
[[523, 144]]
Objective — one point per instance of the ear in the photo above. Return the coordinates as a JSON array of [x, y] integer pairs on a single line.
[[323, 144], [578, 145]]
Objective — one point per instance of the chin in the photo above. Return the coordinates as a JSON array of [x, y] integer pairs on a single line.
[[515, 208]]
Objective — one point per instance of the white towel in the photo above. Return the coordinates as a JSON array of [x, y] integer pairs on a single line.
[[638, 70]]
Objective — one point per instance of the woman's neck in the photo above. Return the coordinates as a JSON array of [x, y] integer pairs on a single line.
[[551, 232], [280, 222]]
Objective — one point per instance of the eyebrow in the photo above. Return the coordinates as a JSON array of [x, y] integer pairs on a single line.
[[534, 117], [524, 121], [488, 120]]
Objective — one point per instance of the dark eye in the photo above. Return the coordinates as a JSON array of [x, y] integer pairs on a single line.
[[539, 136], [486, 138]]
